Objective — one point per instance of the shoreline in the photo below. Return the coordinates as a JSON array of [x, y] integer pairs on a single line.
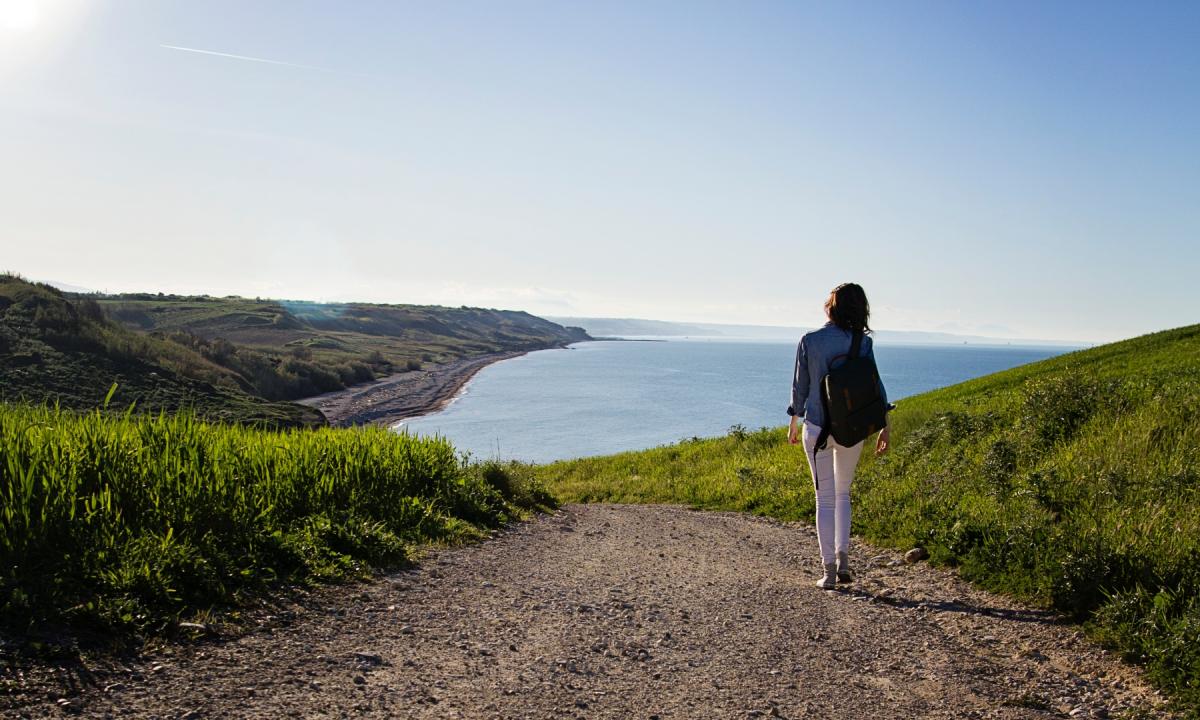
[[403, 396]]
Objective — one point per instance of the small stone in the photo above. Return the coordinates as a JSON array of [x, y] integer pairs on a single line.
[[368, 658], [407, 630], [194, 627], [360, 680], [915, 555], [114, 687]]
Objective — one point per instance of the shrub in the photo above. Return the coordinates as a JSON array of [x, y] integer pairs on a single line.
[[355, 372], [1055, 407]]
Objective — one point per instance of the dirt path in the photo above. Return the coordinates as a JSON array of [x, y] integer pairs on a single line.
[[634, 612], [396, 397]]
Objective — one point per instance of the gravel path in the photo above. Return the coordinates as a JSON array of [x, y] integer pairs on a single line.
[[604, 611]]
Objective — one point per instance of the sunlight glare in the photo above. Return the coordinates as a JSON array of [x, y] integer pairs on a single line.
[[19, 15]]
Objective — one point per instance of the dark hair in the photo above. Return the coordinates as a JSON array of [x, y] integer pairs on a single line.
[[848, 308]]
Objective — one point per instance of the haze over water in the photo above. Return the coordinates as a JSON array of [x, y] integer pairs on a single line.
[[610, 396]]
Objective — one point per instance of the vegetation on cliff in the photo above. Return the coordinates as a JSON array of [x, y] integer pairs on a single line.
[[285, 350], [64, 352]]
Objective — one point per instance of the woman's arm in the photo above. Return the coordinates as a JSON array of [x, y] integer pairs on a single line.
[[883, 442], [799, 392]]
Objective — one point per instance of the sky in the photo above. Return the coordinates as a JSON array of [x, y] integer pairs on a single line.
[[1021, 170]]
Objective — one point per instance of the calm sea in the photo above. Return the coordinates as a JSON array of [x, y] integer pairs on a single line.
[[609, 396]]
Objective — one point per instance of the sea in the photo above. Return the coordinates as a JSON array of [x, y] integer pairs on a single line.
[[608, 396]]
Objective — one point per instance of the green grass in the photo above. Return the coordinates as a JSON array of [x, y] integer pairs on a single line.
[[123, 525], [1073, 483]]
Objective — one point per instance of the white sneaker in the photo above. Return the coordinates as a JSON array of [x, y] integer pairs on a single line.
[[843, 568], [829, 580]]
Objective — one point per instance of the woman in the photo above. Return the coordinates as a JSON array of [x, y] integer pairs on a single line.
[[832, 468]]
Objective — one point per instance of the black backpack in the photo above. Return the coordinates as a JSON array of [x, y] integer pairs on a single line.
[[854, 408]]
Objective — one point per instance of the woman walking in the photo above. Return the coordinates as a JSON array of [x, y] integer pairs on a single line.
[[832, 465]]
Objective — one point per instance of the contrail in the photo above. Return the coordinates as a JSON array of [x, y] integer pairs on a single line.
[[246, 57]]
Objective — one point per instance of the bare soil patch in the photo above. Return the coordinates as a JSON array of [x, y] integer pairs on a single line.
[[604, 611]]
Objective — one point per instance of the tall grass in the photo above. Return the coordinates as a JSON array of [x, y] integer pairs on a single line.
[[126, 523], [1073, 482]]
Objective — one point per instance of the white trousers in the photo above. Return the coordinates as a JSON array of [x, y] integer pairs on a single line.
[[832, 471]]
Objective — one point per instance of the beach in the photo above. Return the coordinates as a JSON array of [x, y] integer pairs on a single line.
[[404, 395]]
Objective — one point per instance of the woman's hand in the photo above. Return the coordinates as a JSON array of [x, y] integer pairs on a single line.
[[793, 432], [881, 444]]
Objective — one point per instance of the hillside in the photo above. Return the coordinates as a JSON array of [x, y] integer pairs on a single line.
[[290, 350], [1073, 483], [61, 351]]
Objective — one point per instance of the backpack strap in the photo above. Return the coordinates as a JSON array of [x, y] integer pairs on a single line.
[[856, 343], [822, 440]]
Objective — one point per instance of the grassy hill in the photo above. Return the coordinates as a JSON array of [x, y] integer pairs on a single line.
[[64, 351], [1073, 482], [289, 350]]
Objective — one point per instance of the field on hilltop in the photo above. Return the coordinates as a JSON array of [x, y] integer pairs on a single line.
[[1073, 483]]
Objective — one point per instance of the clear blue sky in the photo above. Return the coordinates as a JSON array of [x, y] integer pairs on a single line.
[[1013, 169]]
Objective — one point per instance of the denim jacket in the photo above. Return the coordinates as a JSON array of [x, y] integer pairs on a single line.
[[816, 354]]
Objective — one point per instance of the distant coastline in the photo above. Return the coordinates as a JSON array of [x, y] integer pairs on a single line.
[[405, 395], [401, 396], [638, 328]]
